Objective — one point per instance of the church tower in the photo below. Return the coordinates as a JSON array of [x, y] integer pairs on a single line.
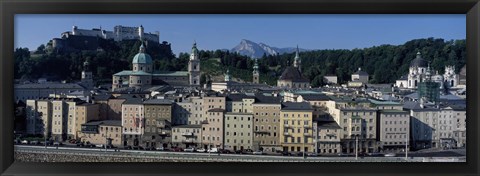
[[227, 75], [256, 75], [297, 63], [140, 32], [194, 66], [87, 78]]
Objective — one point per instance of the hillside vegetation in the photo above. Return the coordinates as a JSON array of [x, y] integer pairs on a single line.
[[384, 63]]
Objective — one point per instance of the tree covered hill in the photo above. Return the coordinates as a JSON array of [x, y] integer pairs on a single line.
[[384, 63]]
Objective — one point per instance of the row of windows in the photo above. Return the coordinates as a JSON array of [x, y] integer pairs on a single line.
[[329, 137], [357, 120], [265, 135], [111, 128], [292, 139], [395, 129], [131, 109], [240, 118], [235, 134], [298, 115], [159, 115], [394, 136], [262, 107], [264, 120], [158, 109], [208, 138], [305, 122], [356, 113], [395, 122], [211, 129], [235, 126], [212, 100], [286, 130]]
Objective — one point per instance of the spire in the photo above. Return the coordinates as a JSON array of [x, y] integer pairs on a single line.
[[296, 54], [255, 66], [142, 48], [194, 47], [194, 54], [428, 74], [227, 75], [297, 62]]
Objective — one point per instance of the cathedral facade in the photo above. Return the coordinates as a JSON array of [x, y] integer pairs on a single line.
[[143, 76], [420, 69]]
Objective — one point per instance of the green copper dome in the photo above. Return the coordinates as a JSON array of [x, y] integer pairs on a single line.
[[142, 57], [194, 48]]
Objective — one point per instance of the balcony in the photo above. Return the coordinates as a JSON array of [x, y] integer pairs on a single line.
[[287, 134], [287, 126], [331, 134], [307, 126], [262, 132], [187, 134], [307, 134]]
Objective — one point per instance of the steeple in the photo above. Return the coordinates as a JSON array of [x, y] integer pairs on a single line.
[[256, 75], [142, 48], [255, 67], [297, 62], [194, 54], [194, 66], [428, 74], [227, 75]]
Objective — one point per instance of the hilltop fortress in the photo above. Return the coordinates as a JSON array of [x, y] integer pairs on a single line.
[[88, 39]]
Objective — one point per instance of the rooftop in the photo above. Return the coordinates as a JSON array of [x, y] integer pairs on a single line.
[[262, 99], [315, 97], [158, 101], [216, 110], [296, 106], [170, 73], [391, 103], [360, 72], [105, 123], [49, 86], [292, 73], [393, 111], [328, 125]]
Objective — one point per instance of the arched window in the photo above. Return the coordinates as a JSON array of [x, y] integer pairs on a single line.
[[415, 83]]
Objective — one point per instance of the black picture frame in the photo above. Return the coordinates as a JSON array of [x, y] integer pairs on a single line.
[[9, 8]]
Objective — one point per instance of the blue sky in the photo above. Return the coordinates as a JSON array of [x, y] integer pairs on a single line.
[[225, 31]]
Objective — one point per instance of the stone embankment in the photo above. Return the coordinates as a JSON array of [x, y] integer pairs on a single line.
[[41, 157]]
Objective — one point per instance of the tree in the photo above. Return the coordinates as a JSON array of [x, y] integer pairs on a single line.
[[40, 49]]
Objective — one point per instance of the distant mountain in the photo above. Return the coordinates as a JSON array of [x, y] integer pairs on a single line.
[[256, 50]]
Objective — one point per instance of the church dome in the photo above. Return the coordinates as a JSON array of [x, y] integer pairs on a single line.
[[142, 57], [419, 61]]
